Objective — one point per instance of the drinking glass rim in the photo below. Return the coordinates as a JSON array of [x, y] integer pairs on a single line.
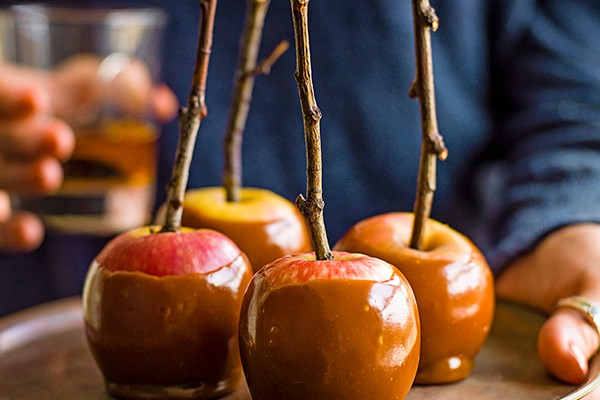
[[112, 15]]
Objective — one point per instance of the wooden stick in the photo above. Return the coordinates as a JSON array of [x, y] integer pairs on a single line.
[[189, 120], [432, 146], [311, 207], [242, 94]]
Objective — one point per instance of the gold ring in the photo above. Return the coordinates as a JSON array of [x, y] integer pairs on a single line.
[[590, 310]]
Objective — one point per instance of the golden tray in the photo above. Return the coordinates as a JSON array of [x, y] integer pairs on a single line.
[[44, 356]]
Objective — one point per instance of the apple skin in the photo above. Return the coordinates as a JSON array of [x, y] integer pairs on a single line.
[[263, 224], [161, 313], [346, 328], [451, 281], [191, 251]]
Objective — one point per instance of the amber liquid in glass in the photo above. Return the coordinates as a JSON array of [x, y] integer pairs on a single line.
[[109, 181]]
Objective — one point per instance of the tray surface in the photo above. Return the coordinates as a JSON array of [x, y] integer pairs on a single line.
[[44, 355]]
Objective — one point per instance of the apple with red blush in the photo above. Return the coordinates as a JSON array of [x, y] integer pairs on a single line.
[[345, 328], [326, 325], [451, 281], [161, 313], [162, 303]]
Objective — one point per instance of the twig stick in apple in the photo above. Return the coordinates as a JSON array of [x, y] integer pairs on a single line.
[[311, 207], [242, 93], [432, 146], [190, 117]]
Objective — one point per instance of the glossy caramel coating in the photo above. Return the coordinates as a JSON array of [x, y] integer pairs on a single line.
[[329, 338], [169, 337], [264, 225], [452, 283]]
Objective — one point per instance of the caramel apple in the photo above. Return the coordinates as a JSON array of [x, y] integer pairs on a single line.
[[451, 281], [345, 328], [161, 313], [264, 225], [448, 274], [326, 325], [161, 304]]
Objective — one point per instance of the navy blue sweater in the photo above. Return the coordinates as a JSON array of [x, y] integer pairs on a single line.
[[518, 101]]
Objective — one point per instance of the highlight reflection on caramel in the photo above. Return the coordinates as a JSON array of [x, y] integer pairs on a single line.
[[452, 283], [170, 331], [456, 305], [329, 339]]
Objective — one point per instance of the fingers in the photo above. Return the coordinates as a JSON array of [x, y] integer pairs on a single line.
[[42, 175], [23, 232], [164, 103], [21, 92], [133, 92], [565, 344], [137, 96], [26, 128], [31, 148], [32, 142], [31, 136], [566, 263], [19, 232]]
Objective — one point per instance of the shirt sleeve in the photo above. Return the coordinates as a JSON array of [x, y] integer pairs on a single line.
[[546, 100]]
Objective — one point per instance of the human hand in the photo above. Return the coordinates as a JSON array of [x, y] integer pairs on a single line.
[[565, 263], [82, 85], [33, 144], [35, 137]]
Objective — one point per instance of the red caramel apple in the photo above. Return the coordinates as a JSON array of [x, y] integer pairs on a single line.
[[452, 284], [161, 313], [263, 224], [346, 328]]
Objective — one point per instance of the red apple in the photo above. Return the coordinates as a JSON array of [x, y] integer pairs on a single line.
[[161, 313], [452, 283], [263, 224], [346, 328]]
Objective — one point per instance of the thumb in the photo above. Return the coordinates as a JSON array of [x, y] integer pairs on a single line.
[[566, 342], [565, 263]]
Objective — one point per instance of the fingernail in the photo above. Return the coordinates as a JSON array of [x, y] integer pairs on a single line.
[[579, 357]]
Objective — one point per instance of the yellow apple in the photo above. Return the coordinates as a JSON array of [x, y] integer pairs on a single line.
[[264, 225]]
